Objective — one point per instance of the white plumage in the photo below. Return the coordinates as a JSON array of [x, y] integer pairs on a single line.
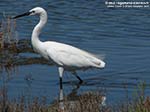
[[66, 57]]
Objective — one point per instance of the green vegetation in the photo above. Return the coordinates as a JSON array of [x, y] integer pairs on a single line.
[[139, 102]]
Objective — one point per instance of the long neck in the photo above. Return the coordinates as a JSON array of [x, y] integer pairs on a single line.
[[37, 29]]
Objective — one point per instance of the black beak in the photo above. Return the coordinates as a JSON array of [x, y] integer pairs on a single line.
[[25, 14]]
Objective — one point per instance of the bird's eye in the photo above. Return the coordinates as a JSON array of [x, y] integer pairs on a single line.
[[33, 11]]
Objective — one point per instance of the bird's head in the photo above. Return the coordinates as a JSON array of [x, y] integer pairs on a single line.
[[34, 11]]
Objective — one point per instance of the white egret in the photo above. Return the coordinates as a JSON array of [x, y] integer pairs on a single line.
[[66, 57]]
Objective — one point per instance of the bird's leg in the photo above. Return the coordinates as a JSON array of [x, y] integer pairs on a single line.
[[75, 74], [61, 103], [61, 70]]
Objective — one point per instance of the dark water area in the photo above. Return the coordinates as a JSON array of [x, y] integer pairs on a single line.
[[119, 35]]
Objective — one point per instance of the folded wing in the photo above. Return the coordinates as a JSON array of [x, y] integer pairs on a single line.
[[66, 55]]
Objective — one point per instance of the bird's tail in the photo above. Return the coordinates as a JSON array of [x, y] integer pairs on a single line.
[[97, 62]]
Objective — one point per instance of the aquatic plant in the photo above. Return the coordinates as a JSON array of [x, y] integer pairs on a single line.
[[8, 33], [86, 102], [139, 102]]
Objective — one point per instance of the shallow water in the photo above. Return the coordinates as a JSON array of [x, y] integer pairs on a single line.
[[120, 35]]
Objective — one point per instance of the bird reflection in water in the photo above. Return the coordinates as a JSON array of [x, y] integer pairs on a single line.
[[73, 101]]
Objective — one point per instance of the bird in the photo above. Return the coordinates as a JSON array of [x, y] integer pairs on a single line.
[[66, 57]]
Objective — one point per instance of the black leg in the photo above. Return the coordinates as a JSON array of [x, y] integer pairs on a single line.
[[61, 70], [61, 102], [60, 82], [81, 81], [75, 74], [61, 97]]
